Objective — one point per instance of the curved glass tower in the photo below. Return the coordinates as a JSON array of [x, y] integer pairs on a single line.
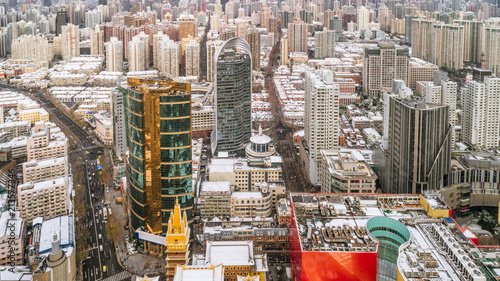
[[160, 163], [391, 234], [233, 97]]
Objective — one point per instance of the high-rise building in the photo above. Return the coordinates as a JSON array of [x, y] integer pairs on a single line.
[[114, 55], [192, 58], [473, 37], [381, 65], [363, 18], [448, 46], [97, 42], [481, 113], [324, 44], [421, 38], [62, 19], [233, 97], [169, 57], [160, 161], [212, 47], [119, 100], [491, 49], [297, 33], [253, 39], [321, 118], [70, 40], [93, 18], [284, 51], [32, 47], [137, 54], [419, 146], [187, 27]]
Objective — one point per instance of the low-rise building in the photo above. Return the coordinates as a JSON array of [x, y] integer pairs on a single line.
[[215, 199], [202, 118], [16, 129], [257, 203], [42, 144], [34, 115], [46, 199], [243, 174], [237, 257], [11, 239], [346, 172], [43, 170], [104, 127]]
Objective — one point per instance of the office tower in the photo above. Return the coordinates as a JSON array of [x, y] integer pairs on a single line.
[[448, 46], [297, 33], [114, 55], [381, 65], [324, 42], [478, 74], [70, 40], [61, 20], [481, 113], [160, 161], [491, 58], [119, 100], [321, 117], [473, 37], [253, 39], [408, 27], [336, 25], [363, 18], [187, 27], [419, 146], [284, 51], [97, 42], [137, 53], [212, 47], [232, 98], [93, 18], [192, 58]]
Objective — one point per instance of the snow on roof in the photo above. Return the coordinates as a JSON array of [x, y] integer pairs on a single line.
[[247, 195], [230, 253], [215, 186], [141, 235], [199, 273], [6, 222], [63, 227]]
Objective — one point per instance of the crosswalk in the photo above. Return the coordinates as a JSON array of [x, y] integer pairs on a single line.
[[118, 277]]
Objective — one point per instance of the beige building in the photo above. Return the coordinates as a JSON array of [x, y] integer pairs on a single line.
[[381, 65], [41, 146], [420, 70], [104, 127], [11, 237], [243, 174], [212, 46], [169, 56], [137, 54], [202, 118], [97, 42], [37, 171], [448, 46], [345, 172], [32, 47], [70, 40], [192, 56], [34, 115], [46, 199], [215, 199]]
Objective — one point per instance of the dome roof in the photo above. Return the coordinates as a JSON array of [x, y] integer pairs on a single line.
[[260, 138]]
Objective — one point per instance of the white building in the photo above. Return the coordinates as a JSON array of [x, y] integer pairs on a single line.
[[169, 56], [481, 113], [137, 54], [70, 40], [363, 18], [104, 127], [321, 126], [114, 55], [119, 129], [324, 42]]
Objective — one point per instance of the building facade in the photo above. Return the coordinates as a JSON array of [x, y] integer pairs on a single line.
[[233, 97], [114, 55], [160, 160]]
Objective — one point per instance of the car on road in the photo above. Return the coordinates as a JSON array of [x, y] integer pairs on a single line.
[[100, 236], [100, 248], [86, 152], [104, 268]]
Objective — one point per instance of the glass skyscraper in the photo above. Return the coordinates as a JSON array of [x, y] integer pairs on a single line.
[[233, 97], [160, 162]]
